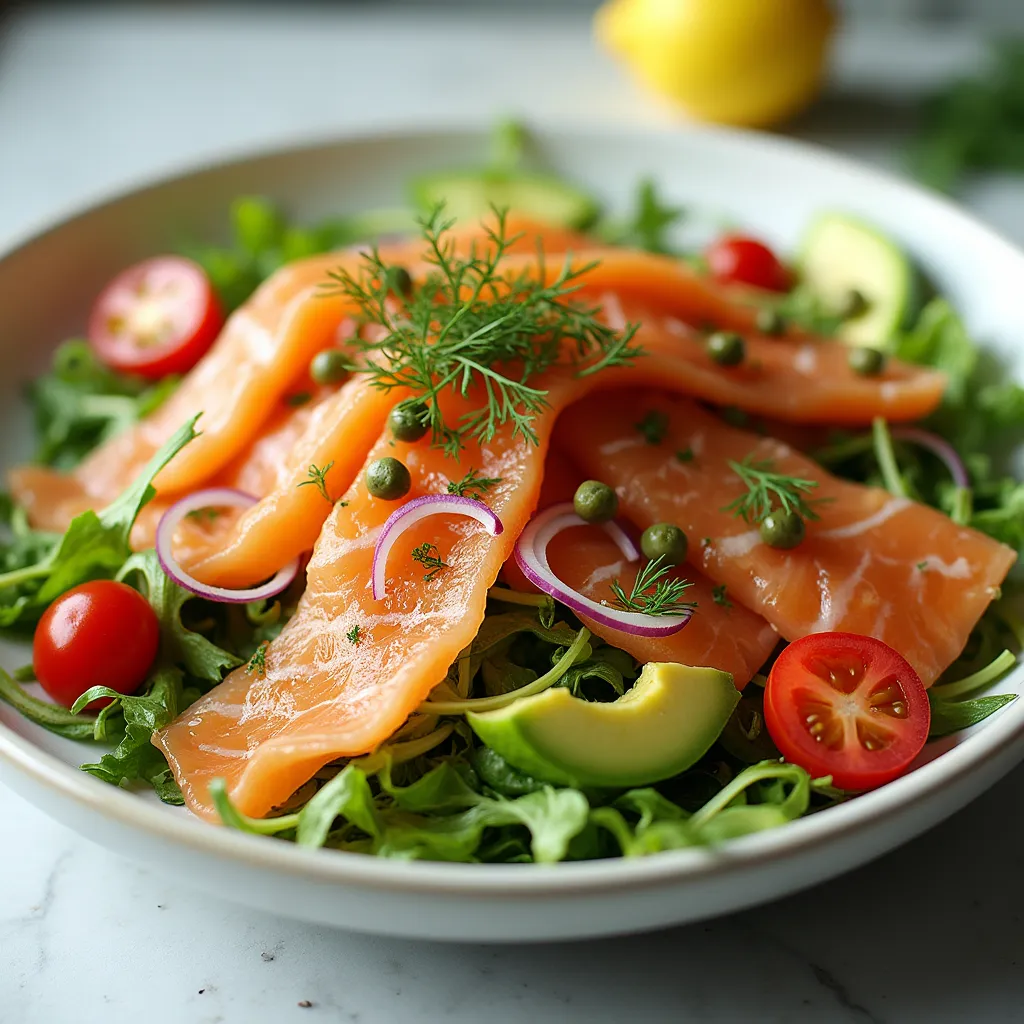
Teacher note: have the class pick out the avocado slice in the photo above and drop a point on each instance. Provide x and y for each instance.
(660, 727)
(469, 195)
(842, 256)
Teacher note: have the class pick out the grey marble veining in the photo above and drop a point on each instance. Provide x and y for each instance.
(930, 933)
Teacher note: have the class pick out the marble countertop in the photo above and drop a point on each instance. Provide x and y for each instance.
(91, 101)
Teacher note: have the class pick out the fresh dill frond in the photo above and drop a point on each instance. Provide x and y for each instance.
(354, 635)
(654, 593)
(258, 662)
(428, 556)
(768, 490)
(470, 326)
(318, 479)
(685, 455)
(721, 596)
(653, 426)
(473, 484)
(201, 514)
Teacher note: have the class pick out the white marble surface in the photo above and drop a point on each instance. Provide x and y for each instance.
(88, 103)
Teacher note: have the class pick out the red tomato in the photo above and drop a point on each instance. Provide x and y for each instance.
(848, 706)
(736, 259)
(98, 634)
(155, 318)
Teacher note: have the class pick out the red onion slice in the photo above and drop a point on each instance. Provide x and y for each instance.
(531, 557)
(213, 497)
(414, 511)
(937, 446)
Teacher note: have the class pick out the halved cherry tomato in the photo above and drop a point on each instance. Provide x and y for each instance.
(155, 318)
(98, 634)
(736, 259)
(848, 706)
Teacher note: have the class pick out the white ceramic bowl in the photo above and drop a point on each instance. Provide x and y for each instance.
(769, 184)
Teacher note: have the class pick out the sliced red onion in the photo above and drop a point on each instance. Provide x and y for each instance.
(531, 557)
(213, 497)
(411, 513)
(937, 446)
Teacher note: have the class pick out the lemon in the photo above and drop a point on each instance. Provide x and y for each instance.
(743, 62)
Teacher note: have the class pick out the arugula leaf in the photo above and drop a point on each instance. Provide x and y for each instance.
(95, 545)
(201, 658)
(263, 240)
(135, 758)
(80, 403)
(650, 226)
(50, 716)
(950, 716)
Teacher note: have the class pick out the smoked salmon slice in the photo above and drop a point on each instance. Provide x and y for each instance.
(777, 381)
(872, 564)
(722, 633)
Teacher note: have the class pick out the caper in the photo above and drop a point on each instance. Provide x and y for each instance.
(408, 421)
(868, 362)
(782, 529)
(388, 479)
(595, 502)
(726, 348)
(771, 321)
(664, 540)
(398, 280)
(853, 305)
(329, 366)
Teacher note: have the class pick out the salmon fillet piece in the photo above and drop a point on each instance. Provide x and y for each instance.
(873, 564)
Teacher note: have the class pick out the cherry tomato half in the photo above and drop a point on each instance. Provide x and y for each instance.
(155, 318)
(848, 706)
(736, 259)
(98, 634)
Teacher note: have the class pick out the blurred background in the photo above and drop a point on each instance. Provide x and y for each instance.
(94, 97)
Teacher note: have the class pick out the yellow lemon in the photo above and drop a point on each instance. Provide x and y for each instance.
(746, 62)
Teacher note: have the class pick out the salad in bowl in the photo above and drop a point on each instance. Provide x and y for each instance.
(501, 530)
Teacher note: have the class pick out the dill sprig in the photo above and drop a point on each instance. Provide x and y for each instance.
(468, 325)
(472, 486)
(429, 557)
(258, 662)
(653, 426)
(720, 595)
(768, 490)
(318, 479)
(354, 635)
(654, 592)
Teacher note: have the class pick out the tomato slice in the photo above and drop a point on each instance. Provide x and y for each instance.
(155, 318)
(100, 633)
(848, 706)
(737, 259)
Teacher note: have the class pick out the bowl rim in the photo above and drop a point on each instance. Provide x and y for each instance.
(511, 881)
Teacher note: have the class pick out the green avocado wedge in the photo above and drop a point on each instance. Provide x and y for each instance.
(470, 195)
(843, 258)
(660, 727)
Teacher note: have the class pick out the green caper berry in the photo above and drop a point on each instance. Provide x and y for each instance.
(329, 367)
(868, 362)
(388, 479)
(771, 321)
(782, 529)
(398, 280)
(595, 502)
(726, 348)
(664, 540)
(408, 421)
(853, 305)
